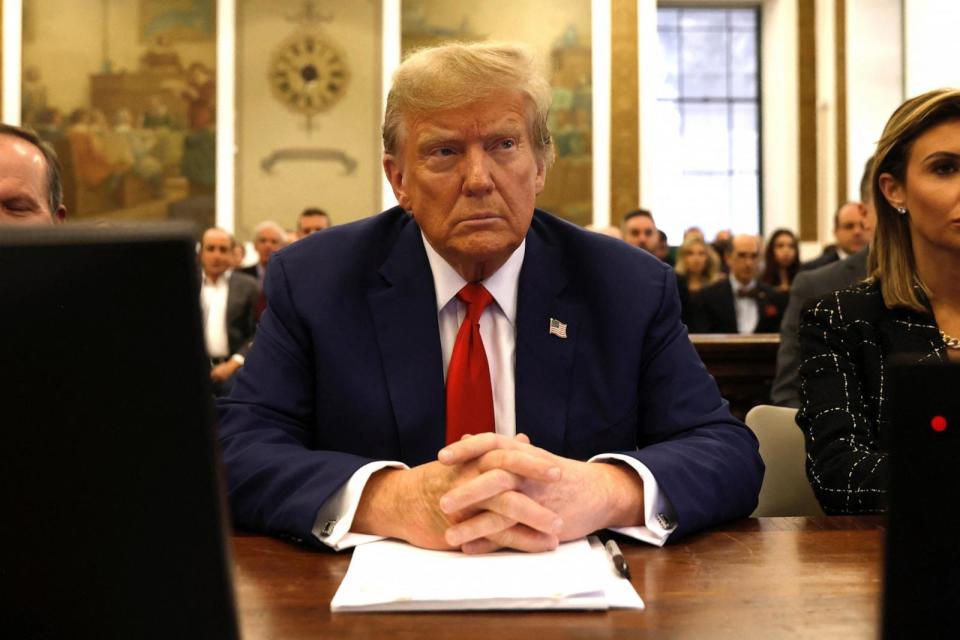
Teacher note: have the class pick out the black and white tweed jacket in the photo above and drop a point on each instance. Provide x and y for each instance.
(848, 339)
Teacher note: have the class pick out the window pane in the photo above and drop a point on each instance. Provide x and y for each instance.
(708, 132)
(711, 19)
(744, 137)
(743, 63)
(670, 62)
(706, 146)
(703, 65)
(668, 18)
(744, 203)
(743, 18)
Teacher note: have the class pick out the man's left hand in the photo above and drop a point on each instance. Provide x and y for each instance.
(588, 497)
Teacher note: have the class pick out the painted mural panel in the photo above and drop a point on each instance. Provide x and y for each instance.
(128, 101)
(562, 37)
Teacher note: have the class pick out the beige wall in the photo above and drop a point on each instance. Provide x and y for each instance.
(265, 126)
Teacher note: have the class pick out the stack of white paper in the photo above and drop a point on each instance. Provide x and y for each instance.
(395, 576)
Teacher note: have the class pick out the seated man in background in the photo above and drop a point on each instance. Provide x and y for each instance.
(739, 303)
(268, 238)
(852, 232)
(312, 220)
(228, 299)
(463, 371)
(811, 284)
(30, 188)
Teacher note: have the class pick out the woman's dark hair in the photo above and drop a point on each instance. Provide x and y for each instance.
(771, 272)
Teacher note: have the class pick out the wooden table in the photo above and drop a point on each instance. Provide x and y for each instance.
(757, 578)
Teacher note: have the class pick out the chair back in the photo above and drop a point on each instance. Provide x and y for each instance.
(786, 490)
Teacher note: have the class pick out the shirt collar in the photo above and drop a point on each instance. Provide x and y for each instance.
(502, 285)
(737, 286)
(224, 279)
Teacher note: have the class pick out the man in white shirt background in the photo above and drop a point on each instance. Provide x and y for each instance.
(228, 300)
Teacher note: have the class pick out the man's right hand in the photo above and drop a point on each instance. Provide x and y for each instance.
(405, 503)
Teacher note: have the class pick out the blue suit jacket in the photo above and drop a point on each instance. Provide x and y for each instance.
(347, 368)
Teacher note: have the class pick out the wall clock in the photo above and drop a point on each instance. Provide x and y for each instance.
(308, 73)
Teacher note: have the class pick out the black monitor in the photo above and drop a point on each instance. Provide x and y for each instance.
(922, 573)
(112, 518)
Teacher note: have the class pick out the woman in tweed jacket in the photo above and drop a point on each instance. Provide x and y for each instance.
(908, 308)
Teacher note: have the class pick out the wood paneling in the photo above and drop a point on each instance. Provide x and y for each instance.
(624, 110)
(807, 113)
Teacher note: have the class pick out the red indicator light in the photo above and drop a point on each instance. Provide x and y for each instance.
(938, 423)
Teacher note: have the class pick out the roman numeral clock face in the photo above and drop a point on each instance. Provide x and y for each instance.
(308, 74)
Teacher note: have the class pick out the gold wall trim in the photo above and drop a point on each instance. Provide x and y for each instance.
(624, 110)
(840, 29)
(807, 115)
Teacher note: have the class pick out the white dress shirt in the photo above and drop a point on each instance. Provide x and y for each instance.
(498, 332)
(213, 301)
(748, 312)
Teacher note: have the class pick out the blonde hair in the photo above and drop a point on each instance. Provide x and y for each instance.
(457, 74)
(891, 259)
(711, 271)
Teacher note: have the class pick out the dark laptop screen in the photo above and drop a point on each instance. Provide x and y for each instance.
(111, 515)
(922, 577)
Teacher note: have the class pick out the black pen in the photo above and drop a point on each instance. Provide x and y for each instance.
(618, 560)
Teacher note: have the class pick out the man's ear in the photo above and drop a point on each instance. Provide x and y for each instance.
(60, 215)
(892, 190)
(394, 173)
(541, 178)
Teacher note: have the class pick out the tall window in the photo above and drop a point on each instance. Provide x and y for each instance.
(709, 107)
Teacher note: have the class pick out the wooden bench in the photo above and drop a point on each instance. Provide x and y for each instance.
(743, 366)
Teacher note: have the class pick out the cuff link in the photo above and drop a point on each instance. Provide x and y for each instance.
(327, 529)
(664, 521)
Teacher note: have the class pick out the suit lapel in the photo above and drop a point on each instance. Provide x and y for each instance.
(544, 362)
(729, 308)
(405, 321)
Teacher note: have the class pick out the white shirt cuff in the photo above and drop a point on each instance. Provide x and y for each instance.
(659, 517)
(335, 517)
(238, 358)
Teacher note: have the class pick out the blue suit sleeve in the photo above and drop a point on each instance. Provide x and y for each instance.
(276, 481)
(706, 462)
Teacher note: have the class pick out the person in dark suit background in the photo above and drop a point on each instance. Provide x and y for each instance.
(852, 232)
(228, 300)
(908, 309)
(332, 432)
(268, 238)
(739, 303)
(811, 284)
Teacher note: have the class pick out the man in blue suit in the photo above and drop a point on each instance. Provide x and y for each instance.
(591, 409)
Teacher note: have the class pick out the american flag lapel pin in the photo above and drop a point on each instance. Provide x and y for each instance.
(558, 328)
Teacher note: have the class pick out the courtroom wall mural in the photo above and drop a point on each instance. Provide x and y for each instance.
(128, 101)
(562, 37)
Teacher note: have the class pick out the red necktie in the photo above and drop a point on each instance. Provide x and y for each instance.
(469, 394)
